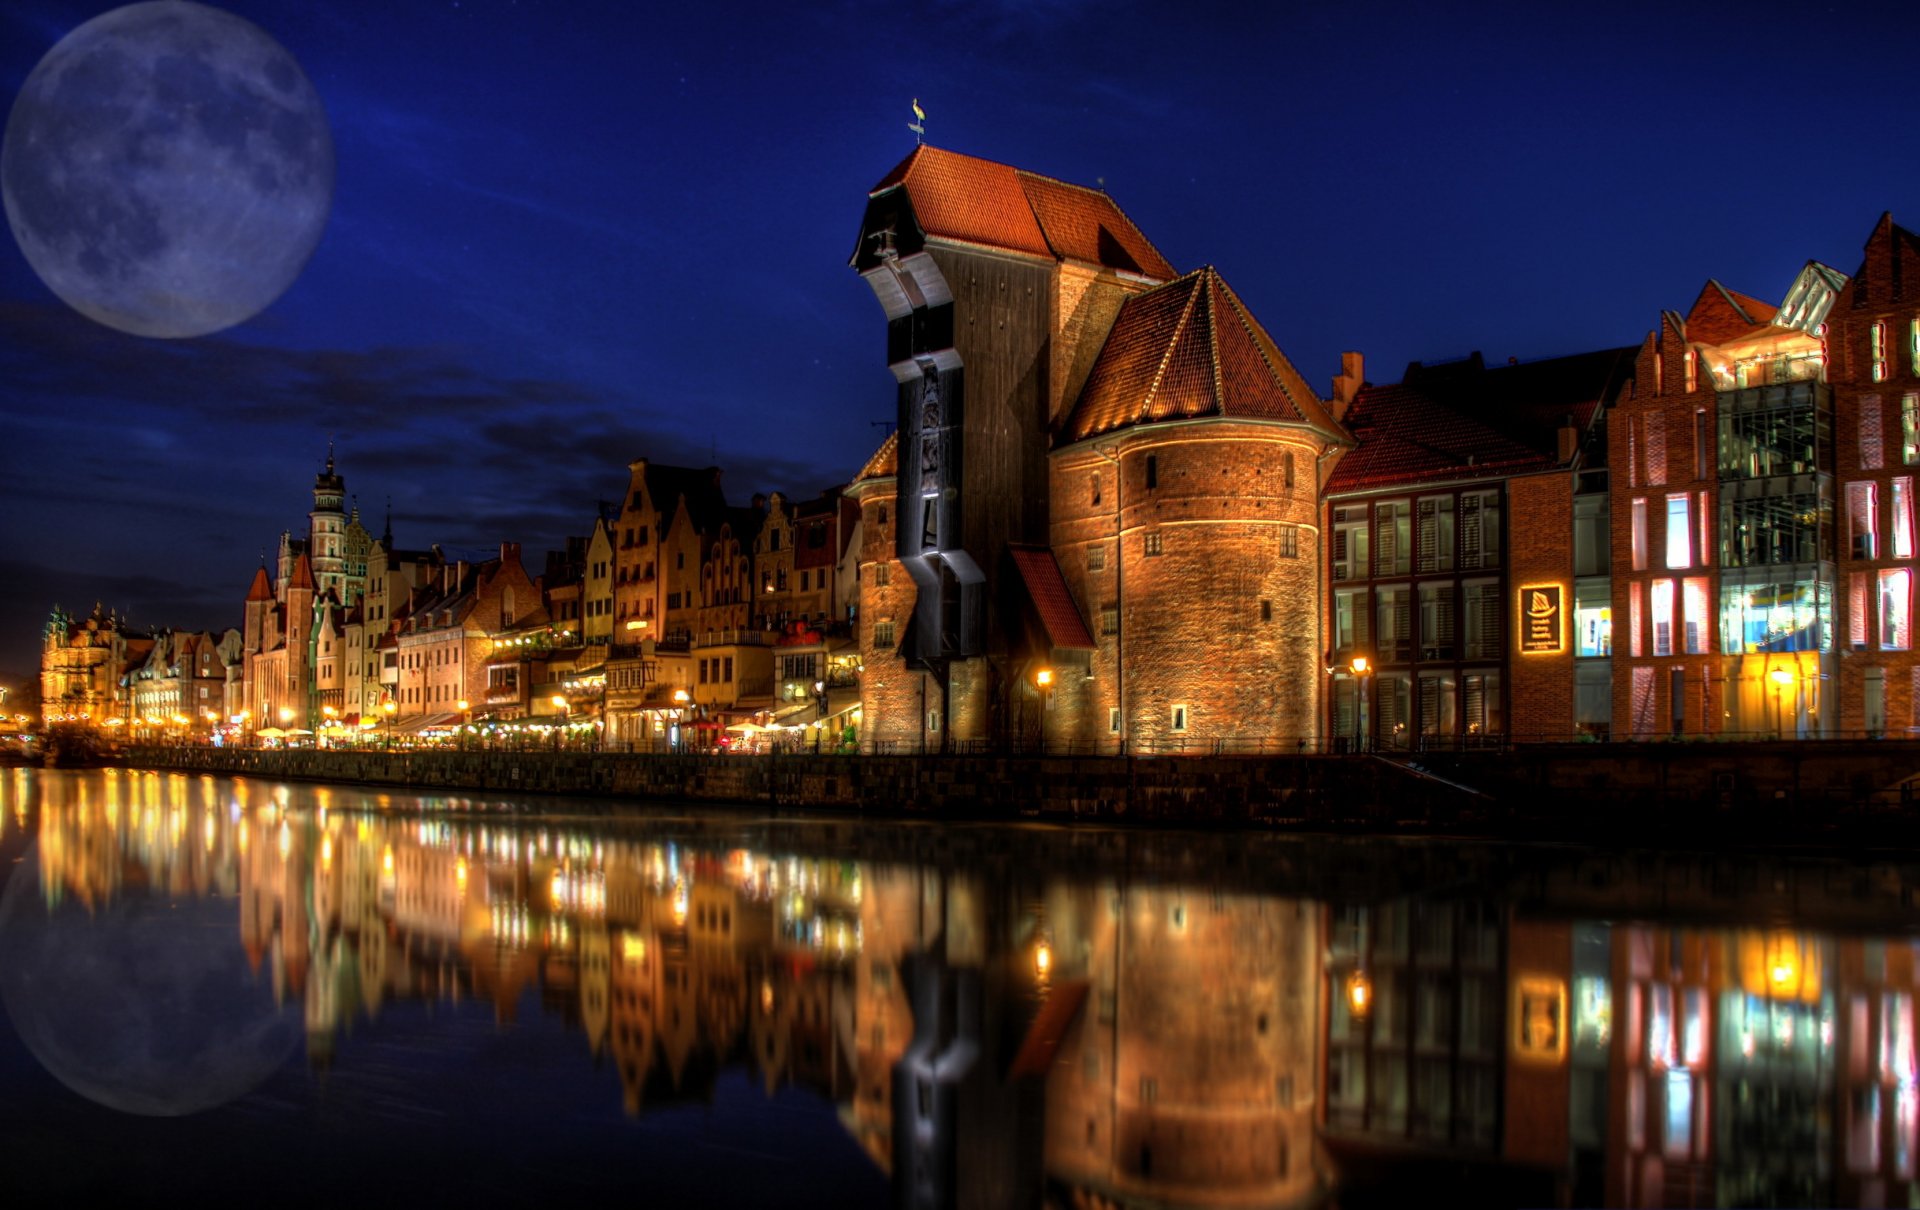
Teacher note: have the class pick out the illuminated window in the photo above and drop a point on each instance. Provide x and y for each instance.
(1110, 618)
(1592, 618)
(1862, 520)
(1857, 609)
(1639, 532)
(1913, 346)
(1662, 617)
(1910, 429)
(1896, 609)
(1633, 619)
(1350, 558)
(1153, 544)
(1692, 365)
(1349, 618)
(1901, 502)
(1096, 558)
(1679, 531)
(1877, 351)
(933, 721)
(1479, 530)
(1696, 611)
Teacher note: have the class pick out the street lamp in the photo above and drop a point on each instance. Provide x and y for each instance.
(561, 704)
(1360, 668)
(680, 700)
(389, 708)
(1781, 678)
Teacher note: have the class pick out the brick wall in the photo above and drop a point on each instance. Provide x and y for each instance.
(1541, 552)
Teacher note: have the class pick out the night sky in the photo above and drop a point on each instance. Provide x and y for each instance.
(568, 235)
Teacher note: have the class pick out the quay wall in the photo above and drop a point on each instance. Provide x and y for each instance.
(1550, 789)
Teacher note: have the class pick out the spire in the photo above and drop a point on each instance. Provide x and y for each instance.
(261, 589)
(329, 457)
(386, 535)
(302, 574)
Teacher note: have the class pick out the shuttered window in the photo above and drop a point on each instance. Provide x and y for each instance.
(1435, 533)
(1479, 530)
(1392, 533)
(1482, 607)
(1436, 622)
(1395, 634)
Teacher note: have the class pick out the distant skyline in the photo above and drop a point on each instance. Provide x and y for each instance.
(569, 235)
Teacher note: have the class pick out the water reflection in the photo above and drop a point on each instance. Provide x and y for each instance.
(997, 1018)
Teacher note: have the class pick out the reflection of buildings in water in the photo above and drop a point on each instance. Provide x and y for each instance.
(1188, 1075)
(895, 920)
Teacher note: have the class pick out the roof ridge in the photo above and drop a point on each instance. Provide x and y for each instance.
(1273, 372)
(1166, 355)
(1211, 275)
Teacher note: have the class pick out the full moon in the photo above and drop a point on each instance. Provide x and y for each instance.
(167, 169)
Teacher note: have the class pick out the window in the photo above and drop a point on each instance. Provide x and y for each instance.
(1593, 618)
(1634, 628)
(1862, 520)
(1393, 527)
(1633, 444)
(1349, 618)
(1679, 531)
(1435, 533)
(1694, 610)
(1096, 558)
(1871, 455)
(1266, 611)
(1110, 618)
(883, 636)
(1692, 366)
(1179, 718)
(1482, 608)
(1639, 534)
(1896, 609)
(1701, 516)
(1480, 530)
(1913, 346)
(1350, 559)
(1877, 351)
(1436, 622)
(1662, 595)
(1901, 525)
(1657, 446)
(1857, 609)
(1480, 703)
(1590, 555)
(1394, 635)
(773, 539)
(1290, 542)
(1910, 429)
(1153, 471)
(933, 721)
(882, 574)
(1287, 472)
(1113, 719)
(1153, 543)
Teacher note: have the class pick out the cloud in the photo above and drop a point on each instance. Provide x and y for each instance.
(145, 600)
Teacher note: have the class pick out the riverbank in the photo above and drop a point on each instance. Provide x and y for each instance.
(1788, 791)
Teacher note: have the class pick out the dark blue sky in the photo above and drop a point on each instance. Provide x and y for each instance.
(565, 235)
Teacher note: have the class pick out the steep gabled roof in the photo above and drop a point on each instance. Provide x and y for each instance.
(302, 574)
(1721, 315)
(962, 197)
(1190, 349)
(262, 588)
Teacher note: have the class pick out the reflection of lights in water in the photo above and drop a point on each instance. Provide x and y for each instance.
(209, 832)
(460, 874)
(286, 839)
(1359, 995)
(679, 903)
(326, 852)
(633, 947)
(240, 835)
(766, 995)
(557, 889)
(386, 860)
(1042, 958)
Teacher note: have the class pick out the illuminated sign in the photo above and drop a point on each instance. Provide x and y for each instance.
(1540, 1019)
(1541, 610)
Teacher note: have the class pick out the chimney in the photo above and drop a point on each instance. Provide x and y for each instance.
(1347, 383)
(1569, 443)
(509, 552)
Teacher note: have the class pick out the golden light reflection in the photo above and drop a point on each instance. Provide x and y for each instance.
(633, 947)
(1359, 995)
(460, 874)
(1042, 958)
(766, 995)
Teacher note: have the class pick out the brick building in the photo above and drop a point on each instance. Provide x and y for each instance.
(1763, 510)
(1462, 541)
(1084, 434)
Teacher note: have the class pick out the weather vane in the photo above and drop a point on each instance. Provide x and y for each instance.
(917, 126)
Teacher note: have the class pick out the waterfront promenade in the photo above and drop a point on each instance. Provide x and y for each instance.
(1752, 792)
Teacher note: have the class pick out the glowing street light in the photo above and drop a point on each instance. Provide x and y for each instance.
(1781, 678)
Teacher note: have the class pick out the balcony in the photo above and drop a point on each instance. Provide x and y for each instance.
(736, 638)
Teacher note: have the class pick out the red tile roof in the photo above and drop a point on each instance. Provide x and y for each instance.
(1406, 436)
(963, 197)
(1191, 349)
(885, 461)
(262, 588)
(1051, 599)
(302, 574)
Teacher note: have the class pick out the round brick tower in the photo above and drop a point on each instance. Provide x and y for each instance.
(1185, 494)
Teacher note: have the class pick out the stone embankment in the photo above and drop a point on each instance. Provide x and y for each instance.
(1747, 793)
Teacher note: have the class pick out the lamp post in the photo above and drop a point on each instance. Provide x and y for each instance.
(680, 700)
(466, 719)
(331, 725)
(1781, 678)
(286, 716)
(389, 708)
(561, 704)
(1360, 667)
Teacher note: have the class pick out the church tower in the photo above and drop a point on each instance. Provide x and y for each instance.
(327, 530)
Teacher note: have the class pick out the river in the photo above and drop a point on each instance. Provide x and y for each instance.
(301, 993)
